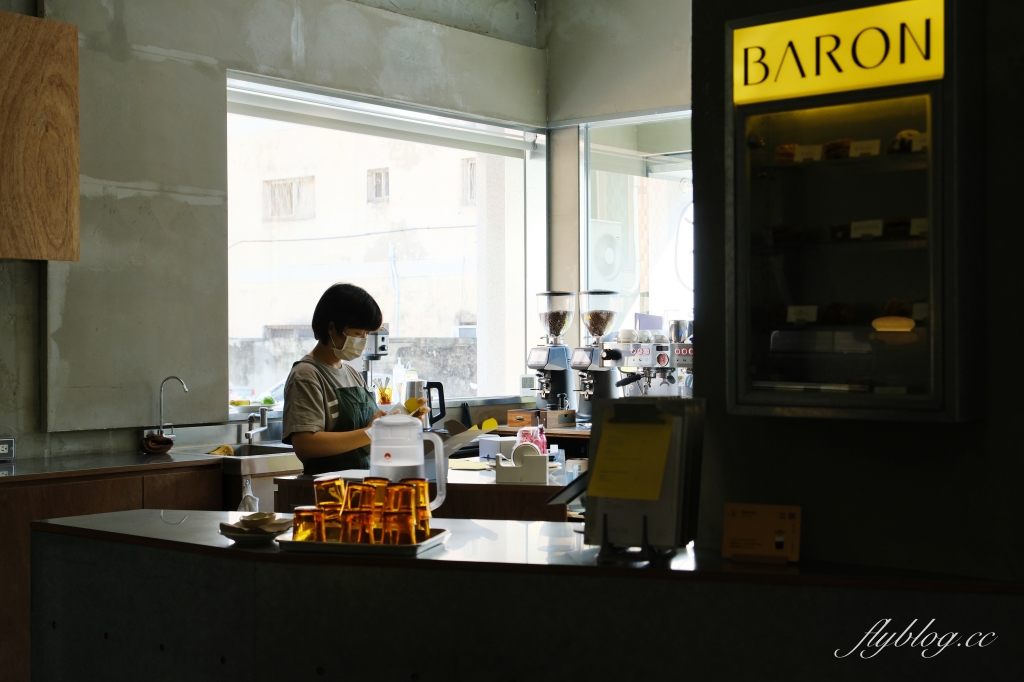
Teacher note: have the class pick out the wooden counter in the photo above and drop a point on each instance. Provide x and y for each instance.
(83, 484)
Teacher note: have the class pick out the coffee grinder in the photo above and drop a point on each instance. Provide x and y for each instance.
(551, 361)
(598, 310)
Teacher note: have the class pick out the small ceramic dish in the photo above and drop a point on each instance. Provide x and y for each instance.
(258, 519)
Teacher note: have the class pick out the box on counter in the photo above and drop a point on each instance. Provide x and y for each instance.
(520, 418)
(558, 419)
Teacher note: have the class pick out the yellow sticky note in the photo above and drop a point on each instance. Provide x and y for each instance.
(412, 404)
(489, 424)
(630, 461)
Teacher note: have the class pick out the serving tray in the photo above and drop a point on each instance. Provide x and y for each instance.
(437, 537)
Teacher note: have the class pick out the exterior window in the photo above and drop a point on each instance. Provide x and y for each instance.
(290, 199)
(451, 279)
(377, 184)
(468, 181)
(639, 223)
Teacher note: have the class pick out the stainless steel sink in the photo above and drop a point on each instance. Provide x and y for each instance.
(247, 450)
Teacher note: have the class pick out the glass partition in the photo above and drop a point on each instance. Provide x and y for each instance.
(638, 231)
(836, 254)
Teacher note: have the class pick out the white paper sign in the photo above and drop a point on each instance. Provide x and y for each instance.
(919, 312)
(865, 148)
(807, 152)
(921, 141)
(797, 314)
(865, 228)
(918, 227)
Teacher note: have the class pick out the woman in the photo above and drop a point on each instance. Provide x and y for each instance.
(327, 405)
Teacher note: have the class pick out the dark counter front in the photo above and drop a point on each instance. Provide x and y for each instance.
(129, 592)
(83, 484)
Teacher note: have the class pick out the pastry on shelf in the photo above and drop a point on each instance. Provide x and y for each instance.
(903, 143)
(896, 307)
(837, 149)
(784, 153)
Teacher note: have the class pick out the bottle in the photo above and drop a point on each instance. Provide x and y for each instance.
(398, 381)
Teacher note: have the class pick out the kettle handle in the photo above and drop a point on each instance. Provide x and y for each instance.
(440, 469)
(440, 399)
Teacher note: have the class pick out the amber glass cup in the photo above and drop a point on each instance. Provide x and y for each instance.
(308, 525)
(422, 506)
(357, 517)
(329, 490)
(333, 529)
(380, 485)
(399, 514)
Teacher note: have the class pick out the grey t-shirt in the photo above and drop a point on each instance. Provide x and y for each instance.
(311, 404)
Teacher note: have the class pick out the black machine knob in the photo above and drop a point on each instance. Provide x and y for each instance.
(611, 354)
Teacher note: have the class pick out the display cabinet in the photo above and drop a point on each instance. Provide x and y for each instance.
(848, 294)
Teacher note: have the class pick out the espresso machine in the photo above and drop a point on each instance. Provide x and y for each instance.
(551, 361)
(598, 312)
(376, 349)
(654, 363)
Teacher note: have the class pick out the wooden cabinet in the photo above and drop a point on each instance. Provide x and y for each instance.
(77, 494)
(39, 211)
(182, 490)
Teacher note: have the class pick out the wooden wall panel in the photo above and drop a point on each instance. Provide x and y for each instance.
(183, 490)
(39, 211)
(19, 506)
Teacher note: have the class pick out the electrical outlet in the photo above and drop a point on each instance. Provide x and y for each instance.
(6, 448)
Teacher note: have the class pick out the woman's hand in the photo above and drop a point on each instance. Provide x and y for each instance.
(422, 411)
(377, 415)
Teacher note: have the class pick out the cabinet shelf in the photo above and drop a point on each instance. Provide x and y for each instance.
(845, 246)
(883, 163)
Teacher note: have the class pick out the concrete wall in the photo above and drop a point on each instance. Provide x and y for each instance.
(609, 57)
(511, 20)
(153, 187)
(939, 497)
(149, 297)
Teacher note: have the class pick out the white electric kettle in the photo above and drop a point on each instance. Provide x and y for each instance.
(396, 452)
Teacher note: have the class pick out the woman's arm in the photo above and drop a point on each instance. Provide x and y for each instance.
(309, 445)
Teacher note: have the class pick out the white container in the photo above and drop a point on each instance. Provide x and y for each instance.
(490, 446)
(396, 452)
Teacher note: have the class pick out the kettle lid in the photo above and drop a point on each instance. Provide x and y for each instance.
(399, 420)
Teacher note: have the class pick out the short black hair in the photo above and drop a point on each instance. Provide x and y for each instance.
(346, 305)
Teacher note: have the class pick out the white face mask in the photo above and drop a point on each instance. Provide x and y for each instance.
(352, 349)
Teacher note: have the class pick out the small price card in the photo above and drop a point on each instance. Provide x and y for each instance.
(865, 228)
(921, 142)
(918, 227)
(865, 148)
(807, 152)
(801, 314)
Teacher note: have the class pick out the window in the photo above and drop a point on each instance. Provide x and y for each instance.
(638, 231)
(377, 185)
(290, 199)
(451, 277)
(468, 181)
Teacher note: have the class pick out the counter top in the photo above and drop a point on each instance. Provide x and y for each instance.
(84, 465)
(537, 546)
(574, 432)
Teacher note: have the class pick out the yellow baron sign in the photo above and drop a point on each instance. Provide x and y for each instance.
(869, 47)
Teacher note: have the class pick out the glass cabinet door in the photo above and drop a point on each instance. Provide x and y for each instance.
(836, 255)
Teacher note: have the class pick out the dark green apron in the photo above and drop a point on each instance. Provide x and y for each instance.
(355, 409)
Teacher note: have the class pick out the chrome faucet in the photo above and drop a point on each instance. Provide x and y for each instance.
(161, 431)
(250, 435)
